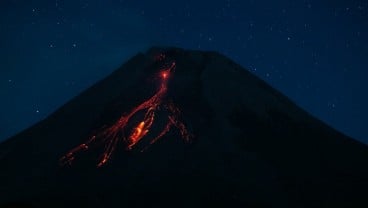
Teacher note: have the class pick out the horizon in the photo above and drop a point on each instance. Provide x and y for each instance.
(311, 51)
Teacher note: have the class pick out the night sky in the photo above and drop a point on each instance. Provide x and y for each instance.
(314, 51)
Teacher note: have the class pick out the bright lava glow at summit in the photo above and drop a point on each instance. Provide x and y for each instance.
(164, 75)
(110, 136)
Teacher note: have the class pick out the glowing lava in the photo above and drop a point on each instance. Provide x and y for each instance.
(110, 136)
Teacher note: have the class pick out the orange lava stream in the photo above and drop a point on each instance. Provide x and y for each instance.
(115, 133)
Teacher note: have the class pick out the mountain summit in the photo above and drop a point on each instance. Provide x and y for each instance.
(181, 128)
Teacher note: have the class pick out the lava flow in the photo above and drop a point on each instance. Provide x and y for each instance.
(110, 136)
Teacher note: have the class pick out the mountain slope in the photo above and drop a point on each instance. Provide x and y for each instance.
(252, 146)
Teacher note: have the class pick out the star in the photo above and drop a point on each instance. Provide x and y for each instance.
(331, 105)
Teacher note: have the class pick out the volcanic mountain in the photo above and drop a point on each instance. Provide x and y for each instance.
(231, 141)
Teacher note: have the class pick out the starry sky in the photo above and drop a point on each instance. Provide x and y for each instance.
(314, 51)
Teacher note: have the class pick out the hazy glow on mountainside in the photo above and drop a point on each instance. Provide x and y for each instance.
(110, 136)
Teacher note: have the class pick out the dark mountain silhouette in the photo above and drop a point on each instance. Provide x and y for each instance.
(252, 147)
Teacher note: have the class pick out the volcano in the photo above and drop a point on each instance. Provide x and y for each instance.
(182, 128)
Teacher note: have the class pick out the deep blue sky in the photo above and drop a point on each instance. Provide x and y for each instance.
(314, 51)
